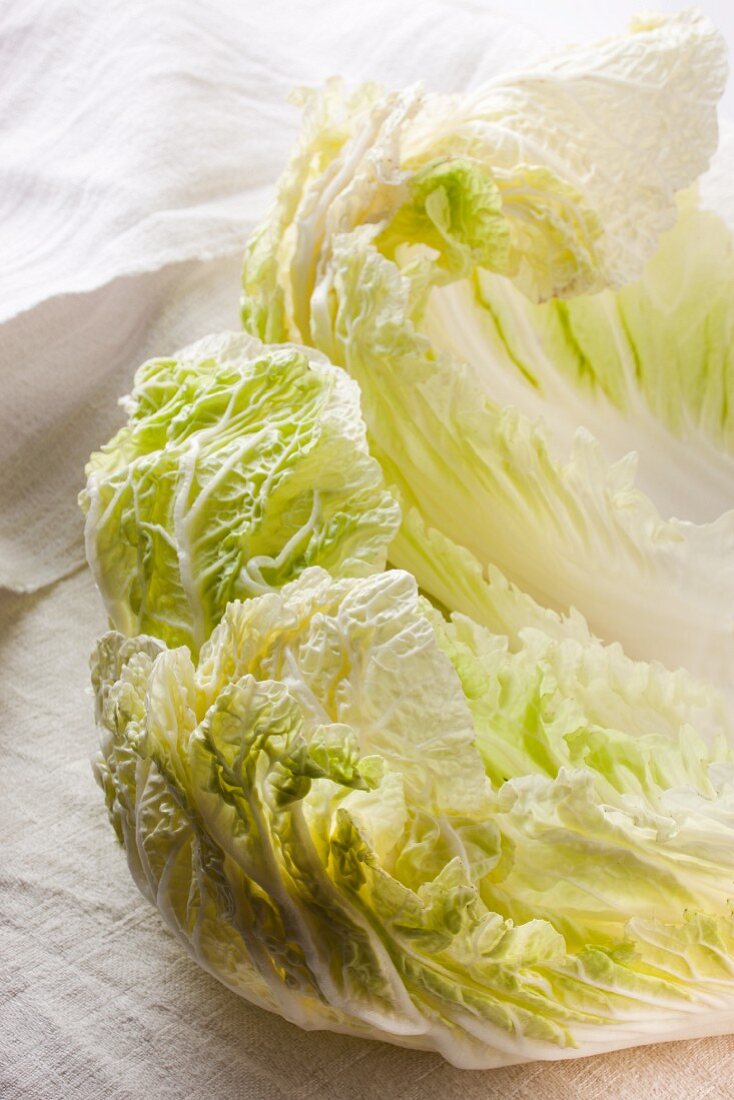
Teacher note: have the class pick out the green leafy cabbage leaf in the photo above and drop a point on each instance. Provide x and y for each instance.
(366, 817)
(240, 465)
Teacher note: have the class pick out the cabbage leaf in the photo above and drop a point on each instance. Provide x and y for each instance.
(368, 818)
(240, 465)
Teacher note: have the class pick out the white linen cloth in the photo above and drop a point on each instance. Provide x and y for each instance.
(139, 144)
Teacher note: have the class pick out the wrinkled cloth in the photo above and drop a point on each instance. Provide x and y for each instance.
(139, 144)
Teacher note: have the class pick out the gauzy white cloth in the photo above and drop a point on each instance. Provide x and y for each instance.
(139, 144)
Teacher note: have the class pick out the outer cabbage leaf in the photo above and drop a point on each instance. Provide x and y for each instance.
(367, 818)
(399, 248)
(240, 466)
